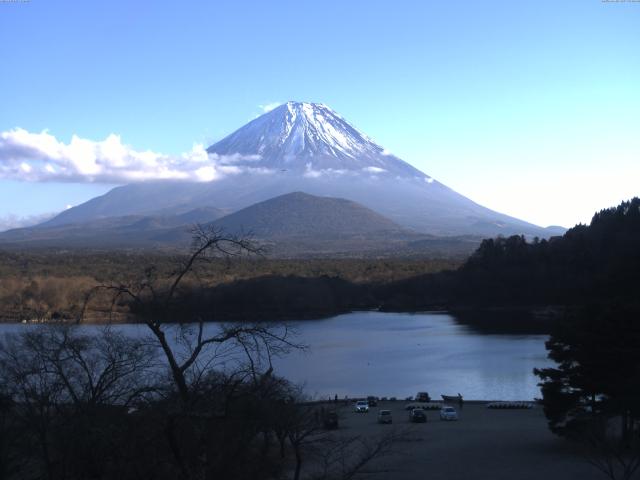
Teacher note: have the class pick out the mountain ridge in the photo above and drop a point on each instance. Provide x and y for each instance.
(293, 225)
(306, 147)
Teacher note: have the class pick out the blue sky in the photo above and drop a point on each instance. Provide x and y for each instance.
(529, 108)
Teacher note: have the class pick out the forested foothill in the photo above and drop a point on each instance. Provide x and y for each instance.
(509, 278)
(589, 263)
(46, 285)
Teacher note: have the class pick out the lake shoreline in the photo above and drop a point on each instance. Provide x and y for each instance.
(500, 319)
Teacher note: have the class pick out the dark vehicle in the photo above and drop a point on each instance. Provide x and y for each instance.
(417, 415)
(372, 401)
(384, 416)
(330, 420)
(422, 397)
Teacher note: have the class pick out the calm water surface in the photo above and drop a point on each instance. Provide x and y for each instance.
(393, 354)
(397, 354)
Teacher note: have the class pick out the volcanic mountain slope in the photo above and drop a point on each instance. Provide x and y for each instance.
(302, 225)
(292, 215)
(299, 214)
(307, 147)
(110, 232)
(292, 225)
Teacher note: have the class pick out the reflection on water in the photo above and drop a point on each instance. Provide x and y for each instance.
(397, 354)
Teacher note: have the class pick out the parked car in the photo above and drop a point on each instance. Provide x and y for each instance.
(362, 406)
(384, 416)
(417, 415)
(422, 397)
(330, 420)
(448, 413)
(372, 401)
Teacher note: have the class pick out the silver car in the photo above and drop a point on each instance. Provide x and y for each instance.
(362, 406)
(448, 413)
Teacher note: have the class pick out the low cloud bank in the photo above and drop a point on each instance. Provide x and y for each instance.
(7, 222)
(41, 157)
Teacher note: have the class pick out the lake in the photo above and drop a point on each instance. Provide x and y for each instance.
(399, 354)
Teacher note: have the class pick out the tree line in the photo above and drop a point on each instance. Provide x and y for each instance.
(592, 262)
(41, 286)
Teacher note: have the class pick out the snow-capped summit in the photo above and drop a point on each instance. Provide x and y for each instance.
(308, 137)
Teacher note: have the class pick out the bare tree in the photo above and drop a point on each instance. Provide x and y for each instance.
(616, 456)
(342, 458)
(155, 303)
(193, 350)
(84, 369)
(215, 415)
(55, 376)
(320, 453)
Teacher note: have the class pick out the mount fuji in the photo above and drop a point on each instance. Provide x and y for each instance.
(302, 147)
(312, 140)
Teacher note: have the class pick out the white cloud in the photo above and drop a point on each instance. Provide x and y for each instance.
(374, 169)
(309, 172)
(206, 174)
(234, 158)
(7, 222)
(267, 107)
(41, 157)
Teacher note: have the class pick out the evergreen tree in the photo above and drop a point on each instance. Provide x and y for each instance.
(597, 376)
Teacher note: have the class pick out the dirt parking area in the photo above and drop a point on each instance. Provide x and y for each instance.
(483, 443)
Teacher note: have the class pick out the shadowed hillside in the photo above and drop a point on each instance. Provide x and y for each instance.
(600, 261)
(300, 214)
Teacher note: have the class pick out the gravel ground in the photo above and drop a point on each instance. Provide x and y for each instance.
(483, 443)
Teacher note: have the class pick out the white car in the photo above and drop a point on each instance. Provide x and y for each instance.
(448, 413)
(362, 406)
